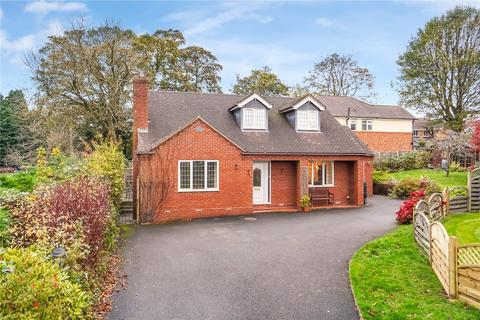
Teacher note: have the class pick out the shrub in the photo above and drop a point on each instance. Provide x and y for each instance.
(380, 176)
(75, 214)
(4, 223)
(56, 167)
(108, 161)
(403, 189)
(20, 181)
(34, 287)
(405, 161)
(405, 214)
(406, 186)
(422, 159)
(454, 166)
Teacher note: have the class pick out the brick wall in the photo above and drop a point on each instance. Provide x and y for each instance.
(200, 142)
(386, 141)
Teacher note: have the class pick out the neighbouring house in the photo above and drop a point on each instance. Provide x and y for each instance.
(200, 155)
(383, 128)
(424, 129)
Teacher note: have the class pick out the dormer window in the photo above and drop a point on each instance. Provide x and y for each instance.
(307, 120)
(251, 112)
(304, 113)
(254, 118)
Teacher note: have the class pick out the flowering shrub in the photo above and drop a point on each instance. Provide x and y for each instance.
(34, 287)
(76, 214)
(405, 214)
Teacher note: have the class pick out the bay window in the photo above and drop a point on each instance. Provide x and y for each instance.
(198, 175)
(320, 173)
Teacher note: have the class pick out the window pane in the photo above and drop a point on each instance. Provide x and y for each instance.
(353, 125)
(315, 172)
(328, 172)
(259, 118)
(257, 177)
(211, 175)
(302, 120)
(184, 175)
(198, 174)
(248, 118)
(313, 120)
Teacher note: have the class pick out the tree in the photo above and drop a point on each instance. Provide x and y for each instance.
(298, 91)
(16, 137)
(340, 75)
(262, 81)
(452, 144)
(170, 66)
(440, 69)
(476, 136)
(198, 71)
(86, 73)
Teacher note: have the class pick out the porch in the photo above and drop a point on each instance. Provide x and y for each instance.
(279, 184)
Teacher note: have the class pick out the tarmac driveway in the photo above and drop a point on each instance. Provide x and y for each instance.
(269, 266)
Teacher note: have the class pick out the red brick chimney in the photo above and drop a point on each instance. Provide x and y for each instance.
(140, 123)
(140, 107)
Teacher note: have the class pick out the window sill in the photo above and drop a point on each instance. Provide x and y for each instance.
(198, 190)
(323, 186)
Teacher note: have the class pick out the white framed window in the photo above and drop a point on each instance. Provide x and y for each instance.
(198, 175)
(426, 134)
(367, 125)
(415, 133)
(254, 118)
(353, 125)
(307, 120)
(321, 173)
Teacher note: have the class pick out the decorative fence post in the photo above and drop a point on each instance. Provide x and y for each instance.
(452, 267)
(446, 199)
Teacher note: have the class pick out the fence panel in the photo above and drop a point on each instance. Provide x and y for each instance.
(436, 207)
(468, 278)
(421, 231)
(474, 188)
(439, 253)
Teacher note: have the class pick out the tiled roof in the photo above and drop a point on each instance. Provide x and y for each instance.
(171, 111)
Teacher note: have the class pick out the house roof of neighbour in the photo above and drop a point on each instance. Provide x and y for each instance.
(338, 107)
(170, 112)
(426, 124)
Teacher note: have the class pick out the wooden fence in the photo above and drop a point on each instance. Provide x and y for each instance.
(456, 266)
(474, 190)
(468, 274)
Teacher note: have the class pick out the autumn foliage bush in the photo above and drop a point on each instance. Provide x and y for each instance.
(405, 214)
(76, 214)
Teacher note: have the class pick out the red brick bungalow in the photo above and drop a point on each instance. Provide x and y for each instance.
(201, 155)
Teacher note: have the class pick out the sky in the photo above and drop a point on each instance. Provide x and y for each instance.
(288, 36)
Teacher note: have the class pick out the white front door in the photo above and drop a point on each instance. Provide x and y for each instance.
(261, 182)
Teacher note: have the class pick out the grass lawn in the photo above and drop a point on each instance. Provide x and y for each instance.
(464, 226)
(455, 179)
(391, 279)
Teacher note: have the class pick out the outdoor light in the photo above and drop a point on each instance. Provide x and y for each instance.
(59, 255)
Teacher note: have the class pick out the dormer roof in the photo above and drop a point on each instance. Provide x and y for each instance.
(254, 96)
(297, 103)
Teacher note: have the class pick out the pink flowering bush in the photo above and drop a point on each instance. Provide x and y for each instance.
(405, 214)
